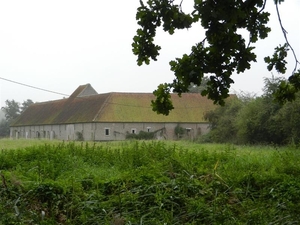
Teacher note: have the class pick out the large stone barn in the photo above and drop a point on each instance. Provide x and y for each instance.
(87, 115)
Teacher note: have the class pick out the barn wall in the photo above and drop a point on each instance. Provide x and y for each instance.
(107, 131)
(118, 131)
(43, 131)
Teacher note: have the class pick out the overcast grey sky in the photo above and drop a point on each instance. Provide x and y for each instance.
(61, 44)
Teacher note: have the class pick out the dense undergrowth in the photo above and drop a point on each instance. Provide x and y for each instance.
(151, 182)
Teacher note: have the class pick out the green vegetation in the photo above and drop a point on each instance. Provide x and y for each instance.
(79, 136)
(10, 112)
(9, 144)
(179, 131)
(256, 120)
(142, 135)
(148, 182)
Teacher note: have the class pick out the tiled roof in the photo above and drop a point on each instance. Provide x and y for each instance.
(113, 107)
(83, 90)
(136, 107)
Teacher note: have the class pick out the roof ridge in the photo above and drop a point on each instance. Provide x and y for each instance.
(101, 108)
(50, 101)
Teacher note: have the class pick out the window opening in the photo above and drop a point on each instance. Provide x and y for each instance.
(133, 131)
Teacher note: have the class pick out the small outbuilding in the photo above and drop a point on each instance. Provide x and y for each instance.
(87, 115)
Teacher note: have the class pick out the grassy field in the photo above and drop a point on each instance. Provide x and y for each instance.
(147, 182)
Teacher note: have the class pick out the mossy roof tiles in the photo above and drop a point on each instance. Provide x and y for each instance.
(114, 107)
(135, 107)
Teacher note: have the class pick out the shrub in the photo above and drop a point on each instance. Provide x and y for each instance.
(179, 131)
(142, 135)
(79, 136)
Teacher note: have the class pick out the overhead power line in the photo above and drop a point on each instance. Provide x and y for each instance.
(26, 85)
(54, 92)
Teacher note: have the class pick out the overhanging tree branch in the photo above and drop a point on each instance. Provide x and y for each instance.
(286, 39)
(220, 54)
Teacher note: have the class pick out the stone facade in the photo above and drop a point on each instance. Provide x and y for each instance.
(108, 131)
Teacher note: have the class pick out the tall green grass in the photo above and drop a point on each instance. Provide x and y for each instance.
(139, 182)
(7, 143)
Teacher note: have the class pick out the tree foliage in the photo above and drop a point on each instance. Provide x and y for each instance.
(25, 105)
(256, 123)
(223, 121)
(4, 128)
(257, 120)
(193, 88)
(13, 109)
(289, 121)
(222, 52)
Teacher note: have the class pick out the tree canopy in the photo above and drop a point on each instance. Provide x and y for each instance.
(222, 52)
(256, 120)
(13, 109)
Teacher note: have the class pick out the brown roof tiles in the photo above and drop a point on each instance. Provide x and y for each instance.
(113, 107)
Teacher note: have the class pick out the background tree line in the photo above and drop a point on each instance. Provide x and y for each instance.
(11, 111)
(247, 119)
